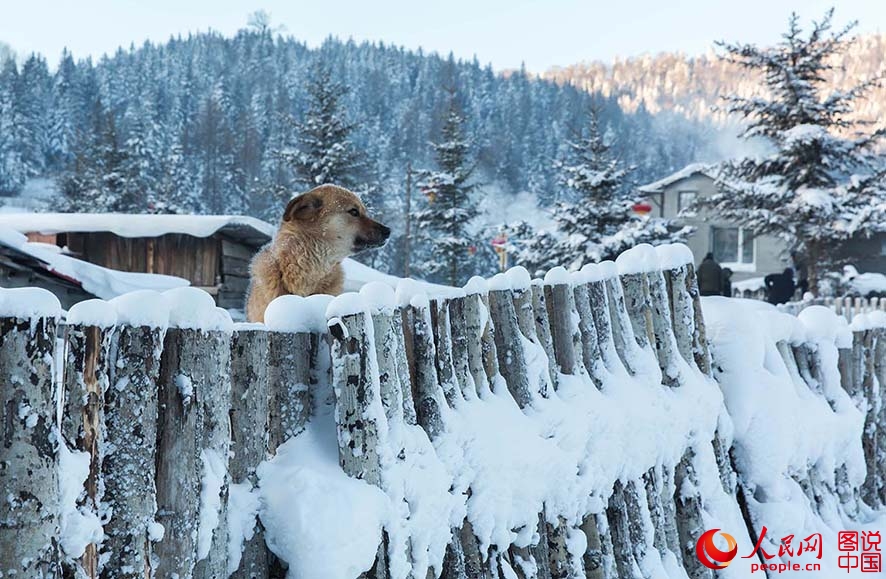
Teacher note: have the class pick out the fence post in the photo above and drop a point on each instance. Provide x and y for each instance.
(88, 341)
(870, 489)
(590, 346)
(699, 336)
(543, 329)
(215, 445)
(359, 413)
(565, 333)
(460, 346)
(131, 412)
(29, 477)
(250, 400)
(600, 309)
(476, 327)
(292, 373)
(880, 370)
(192, 451)
(602, 554)
(442, 333)
(509, 346)
(689, 332)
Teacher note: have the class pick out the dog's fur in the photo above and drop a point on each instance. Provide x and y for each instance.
(319, 229)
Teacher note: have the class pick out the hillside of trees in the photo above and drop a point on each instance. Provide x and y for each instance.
(206, 115)
(692, 86)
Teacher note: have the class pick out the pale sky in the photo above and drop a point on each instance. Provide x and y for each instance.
(504, 32)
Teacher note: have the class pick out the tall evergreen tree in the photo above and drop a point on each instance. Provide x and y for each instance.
(822, 183)
(322, 150)
(444, 222)
(595, 220)
(13, 169)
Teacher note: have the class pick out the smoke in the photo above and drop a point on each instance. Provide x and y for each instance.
(498, 208)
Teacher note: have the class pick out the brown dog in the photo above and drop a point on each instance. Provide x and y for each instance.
(319, 229)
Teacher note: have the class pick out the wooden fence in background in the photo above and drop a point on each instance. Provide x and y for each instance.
(848, 307)
(155, 408)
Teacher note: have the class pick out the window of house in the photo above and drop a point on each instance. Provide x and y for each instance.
(685, 199)
(883, 246)
(732, 245)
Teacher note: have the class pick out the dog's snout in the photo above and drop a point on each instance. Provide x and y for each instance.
(384, 231)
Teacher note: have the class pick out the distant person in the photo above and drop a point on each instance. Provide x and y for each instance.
(727, 282)
(710, 276)
(780, 287)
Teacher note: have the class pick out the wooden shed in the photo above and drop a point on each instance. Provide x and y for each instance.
(211, 252)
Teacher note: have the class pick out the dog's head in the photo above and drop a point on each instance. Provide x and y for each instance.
(336, 217)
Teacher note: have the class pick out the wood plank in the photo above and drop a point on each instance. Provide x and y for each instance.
(235, 284)
(234, 266)
(234, 249)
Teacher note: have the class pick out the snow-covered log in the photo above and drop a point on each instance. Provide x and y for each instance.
(192, 451)
(215, 445)
(393, 369)
(510, 346)
(250, 399)
(86, 379)
(430, 400)
(565, 333)
(359, 412)
(590, 350)
(292, 357)
(699, 337)
(543, 329)
(131, 411)
(460, 346)
(29, 517)
(476, 321)
(442, 334)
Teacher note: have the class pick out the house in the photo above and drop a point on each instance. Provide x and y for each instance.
(84, 255)
(748, 256)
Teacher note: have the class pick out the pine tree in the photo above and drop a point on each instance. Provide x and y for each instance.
(821, 184)
(13, 169)
(96, 180)
(595, 220)
(444, 223)
(322, 151)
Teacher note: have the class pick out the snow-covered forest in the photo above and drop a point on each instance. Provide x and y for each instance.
(692, 85)
(203, 123)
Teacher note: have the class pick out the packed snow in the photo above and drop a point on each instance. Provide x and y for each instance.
(29, 302)
(130, 225)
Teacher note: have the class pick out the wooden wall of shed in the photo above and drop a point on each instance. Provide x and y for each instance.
(193, 258)
(235, 259)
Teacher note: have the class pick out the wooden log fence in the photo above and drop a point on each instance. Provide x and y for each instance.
(176, 417)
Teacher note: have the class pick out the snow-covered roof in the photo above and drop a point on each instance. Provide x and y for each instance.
(248, 229)
(99, 281)
(684, 173)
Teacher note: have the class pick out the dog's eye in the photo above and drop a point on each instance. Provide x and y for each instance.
(354, 212)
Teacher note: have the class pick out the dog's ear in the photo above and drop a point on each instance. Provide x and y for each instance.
(303, 207)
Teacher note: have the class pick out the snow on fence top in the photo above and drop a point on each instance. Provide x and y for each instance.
(569, 425)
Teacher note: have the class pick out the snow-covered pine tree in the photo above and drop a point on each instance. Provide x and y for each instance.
(595, 219)
(95, 181)
(13, 169)
(443, 221)
(821, 184)
(321, 150)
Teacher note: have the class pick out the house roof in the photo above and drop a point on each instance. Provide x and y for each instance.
(709, 170)
(19, 254)
(248, 230)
